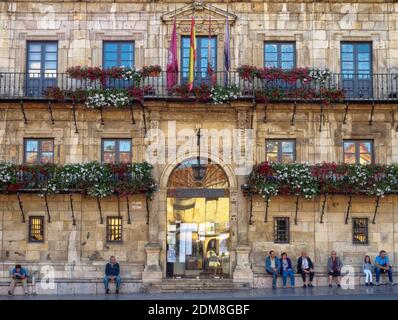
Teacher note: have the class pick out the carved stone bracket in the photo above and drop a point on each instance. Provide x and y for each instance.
(201, 12)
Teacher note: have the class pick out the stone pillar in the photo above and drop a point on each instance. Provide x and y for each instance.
(153, 272)
(242, 271)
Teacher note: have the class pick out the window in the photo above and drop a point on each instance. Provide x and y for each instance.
(39, 151)
(116, 150)
(114, 229)
(280, 55)
(360, 230)
(358, 151)
(356, 69)
(281, 230)
(36, 229)
(41, 67)
(118, 53)
(280, 151)
(202, 52)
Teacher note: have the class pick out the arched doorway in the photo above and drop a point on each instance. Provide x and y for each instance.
(198, 222)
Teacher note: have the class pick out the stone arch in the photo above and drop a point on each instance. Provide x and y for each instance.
(168, 169)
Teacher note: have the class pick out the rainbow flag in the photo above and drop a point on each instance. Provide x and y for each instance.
(192, 56)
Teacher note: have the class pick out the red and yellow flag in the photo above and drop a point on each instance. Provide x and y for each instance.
(192, 56)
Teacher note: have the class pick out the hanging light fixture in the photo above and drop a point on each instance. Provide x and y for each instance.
(199, 169)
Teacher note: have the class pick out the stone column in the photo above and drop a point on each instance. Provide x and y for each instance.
(242, 271)
(153, 272)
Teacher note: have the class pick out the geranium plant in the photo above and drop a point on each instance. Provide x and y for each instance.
(151, 71)
(247, 72)
(224, 94)
(107, 98)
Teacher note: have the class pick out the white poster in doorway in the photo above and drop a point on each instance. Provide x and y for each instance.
(136, 205)
(171, 255)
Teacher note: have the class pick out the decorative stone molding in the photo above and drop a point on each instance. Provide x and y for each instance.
(201, 12)
(116, 36)
(242, 119)
(42, 36)
(268, 36)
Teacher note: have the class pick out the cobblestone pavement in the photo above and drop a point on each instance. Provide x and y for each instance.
(384, 292)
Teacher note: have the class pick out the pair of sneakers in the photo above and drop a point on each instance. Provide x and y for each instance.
(107, 291)
(390, 283)
(11, 294)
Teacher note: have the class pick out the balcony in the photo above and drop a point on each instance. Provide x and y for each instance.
(355, 87)
(92, 178)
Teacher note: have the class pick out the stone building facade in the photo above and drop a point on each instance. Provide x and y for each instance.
(77, 252)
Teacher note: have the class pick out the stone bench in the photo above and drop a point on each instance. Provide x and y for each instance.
(73, 286)
(264, 280)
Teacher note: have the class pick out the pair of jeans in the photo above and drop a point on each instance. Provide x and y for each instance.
(379, 271)
(108, 278)
(368, 275)
(288, 273)
(274, 275)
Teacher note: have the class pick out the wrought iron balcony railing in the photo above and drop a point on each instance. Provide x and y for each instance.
(356, 87)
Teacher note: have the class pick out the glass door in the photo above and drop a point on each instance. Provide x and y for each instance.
(202, 58)
(198, 237)
(41, 67)
(356, 69)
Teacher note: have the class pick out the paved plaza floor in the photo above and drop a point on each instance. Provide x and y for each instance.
(384, 292)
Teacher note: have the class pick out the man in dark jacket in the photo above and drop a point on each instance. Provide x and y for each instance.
(305, 267)
(112, 271)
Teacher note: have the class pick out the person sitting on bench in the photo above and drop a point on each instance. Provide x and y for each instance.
(112, 271)
(18, 274)
(382, 265)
